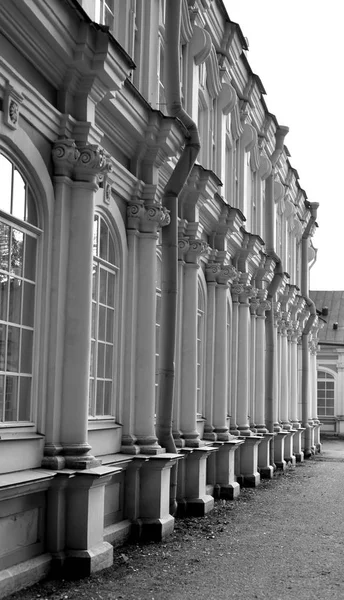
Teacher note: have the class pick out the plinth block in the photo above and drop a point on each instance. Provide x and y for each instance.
(192, 494)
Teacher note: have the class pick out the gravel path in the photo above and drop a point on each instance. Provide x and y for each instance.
(283, 540)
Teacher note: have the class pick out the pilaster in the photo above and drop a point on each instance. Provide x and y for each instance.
(188, 385)
(77, 172)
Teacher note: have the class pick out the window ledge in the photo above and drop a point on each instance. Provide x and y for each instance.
(103, 424)
(6, 436)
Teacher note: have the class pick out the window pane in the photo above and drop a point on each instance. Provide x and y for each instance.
(26, 351)
(111, 256)
(102, 286)
(3, 297)
(30, 258)
(109, 325)
(107, 397)
(4, 246)
(11, 398)
(92, 369)
(28, 304)
(100, 398)
(18, 200)
(6, 183)
(2, 392)
(2, 347)
(108, 365)
(103, 240)
(24, 398)
(101, 360)
(95, 236)
(94, 281)
(321, 385)
(13, 337)
(111, 290)
(93, 326)
(17, 247)
(14, 308)
(91, 395)
(101, 329)
(31, 212)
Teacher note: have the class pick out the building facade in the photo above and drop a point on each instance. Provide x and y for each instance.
(156, 327)
(330, 360)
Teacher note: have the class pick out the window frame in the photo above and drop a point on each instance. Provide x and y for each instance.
(35, 231)
(329, 377)
(114, 269)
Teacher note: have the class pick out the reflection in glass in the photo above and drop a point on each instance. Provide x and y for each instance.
(13, 337)
(111, 290)
(26, 351)
(107, 398)
(11, 398)
(2, 393)
(101, 330)
(102, 286)
(109, 324)
(17, 247)
(6, 183)
(18, 198)
(101, 360)
(14, 307)
(28, 304)
(4, 247)
(24, 399)
(3, 344)
(31, 212)
(100, 395)
(108, 366)
(103, 240)
(3, 297)
(30, 258)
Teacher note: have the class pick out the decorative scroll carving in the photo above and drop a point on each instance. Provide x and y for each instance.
(197, 248)
(65, 155)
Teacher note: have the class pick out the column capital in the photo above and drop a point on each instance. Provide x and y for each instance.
(197, 248)
(226, 275)
(212, 270)
(88, 163)
(147, 219)
(92, 164)
(65, 155)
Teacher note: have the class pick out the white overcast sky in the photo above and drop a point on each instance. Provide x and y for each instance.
(296, 48)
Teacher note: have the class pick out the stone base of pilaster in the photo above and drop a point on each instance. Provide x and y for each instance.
(279, 458)
(86, 551)
(248, 475)
(221, 469)
(81, 563)
(289, 456)
(154, 529)
(192, 496)
(297, 444)
(154, 521)
(317, 444)
(265, 467)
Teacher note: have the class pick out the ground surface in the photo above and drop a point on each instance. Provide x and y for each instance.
(284, 539)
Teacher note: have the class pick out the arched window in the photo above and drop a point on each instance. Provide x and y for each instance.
(104, 294)
(325, 394)
(19, 235)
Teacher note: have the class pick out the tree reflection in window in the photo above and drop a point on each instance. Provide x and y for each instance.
(103, 321)
(18, 249)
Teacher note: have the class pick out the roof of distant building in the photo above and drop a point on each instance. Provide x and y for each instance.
(333, 330)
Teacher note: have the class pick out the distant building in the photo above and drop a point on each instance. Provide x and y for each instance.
(157, 338)
(330, 360)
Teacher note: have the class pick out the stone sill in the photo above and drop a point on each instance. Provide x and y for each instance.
(103, 424)
(7, 436)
